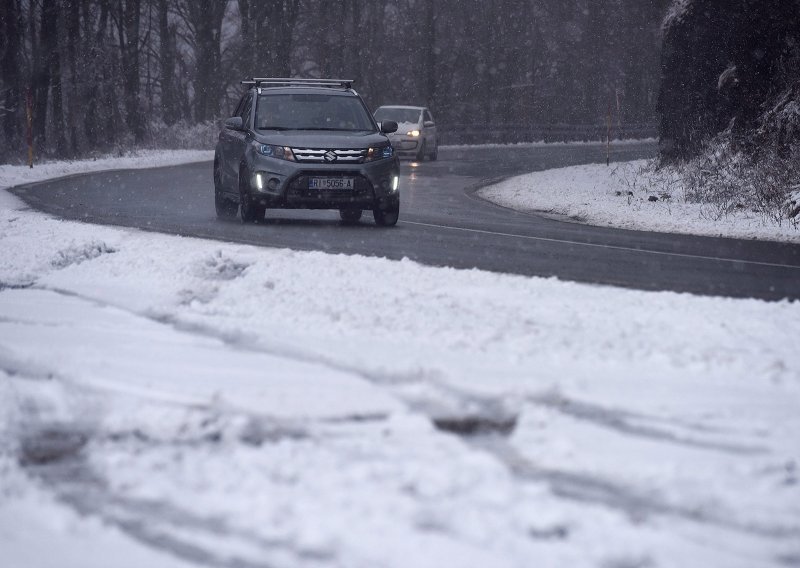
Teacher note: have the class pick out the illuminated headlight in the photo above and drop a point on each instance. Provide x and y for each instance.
(278, 152)
(395, 183)
(414, 133)
(379, 153)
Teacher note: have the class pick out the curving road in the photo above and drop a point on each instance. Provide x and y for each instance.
(443, 223)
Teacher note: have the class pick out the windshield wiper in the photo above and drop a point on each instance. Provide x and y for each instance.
(275, 128)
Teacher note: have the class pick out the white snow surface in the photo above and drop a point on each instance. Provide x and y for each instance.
(11, 175)
(168, 401)
(543, 144)
(619, 196)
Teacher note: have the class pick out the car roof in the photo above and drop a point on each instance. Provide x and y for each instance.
(403, 107)
(307, 91)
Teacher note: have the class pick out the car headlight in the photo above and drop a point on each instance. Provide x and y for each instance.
(414, 133)
(278, 152)
(379, 153)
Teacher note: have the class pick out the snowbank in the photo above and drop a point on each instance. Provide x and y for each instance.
(11, 175)
(543, 144)
(627, 196)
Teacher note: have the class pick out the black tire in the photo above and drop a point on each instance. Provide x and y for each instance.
(387, 217)
(249, 212)
(421, 152)
(435, 154)
(350, 216)
(225, 208)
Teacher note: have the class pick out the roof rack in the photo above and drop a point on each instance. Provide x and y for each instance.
(286, 82)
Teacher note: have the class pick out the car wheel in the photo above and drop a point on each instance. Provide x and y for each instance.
(225, 208)
(435, 154)
(421, 152)
(350, 216)
(387, 217)
(250, 212)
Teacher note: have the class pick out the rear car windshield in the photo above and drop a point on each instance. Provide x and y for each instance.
(398, 114)
(312, 112)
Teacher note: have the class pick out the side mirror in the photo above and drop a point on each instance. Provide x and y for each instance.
(234, 123)
(428, 124)
(388, 126)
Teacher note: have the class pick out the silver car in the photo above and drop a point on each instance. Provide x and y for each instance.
(416, 132)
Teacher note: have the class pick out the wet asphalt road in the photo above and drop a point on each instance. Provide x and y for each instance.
(443, 223)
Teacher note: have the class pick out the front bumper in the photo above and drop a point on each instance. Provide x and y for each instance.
(405, 145)
(286, 184)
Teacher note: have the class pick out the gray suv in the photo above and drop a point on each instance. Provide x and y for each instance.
(305, 144)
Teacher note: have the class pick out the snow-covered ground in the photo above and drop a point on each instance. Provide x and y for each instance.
(11, 175)
(168, 401)
(543, 144)
(620, 196)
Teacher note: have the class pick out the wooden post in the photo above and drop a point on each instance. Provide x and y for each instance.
(29, 117)
(608, 135)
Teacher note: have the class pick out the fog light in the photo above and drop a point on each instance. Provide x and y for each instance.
(274, 183)
(395, 183)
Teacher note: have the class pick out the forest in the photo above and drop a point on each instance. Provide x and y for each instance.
(729, 103)
(108, 75)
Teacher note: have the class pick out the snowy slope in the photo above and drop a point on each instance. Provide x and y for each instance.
(619, 196)
(171, 401)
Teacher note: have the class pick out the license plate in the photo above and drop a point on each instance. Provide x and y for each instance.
(330, 183)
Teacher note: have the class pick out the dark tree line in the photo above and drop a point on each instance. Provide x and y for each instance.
(730, 66)
(105, 74)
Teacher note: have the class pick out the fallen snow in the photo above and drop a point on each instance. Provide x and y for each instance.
(619, 196)
(543, 144)
(11, 175)
(170, 401)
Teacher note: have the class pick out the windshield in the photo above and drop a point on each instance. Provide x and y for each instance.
(398, 114)
(311, 112)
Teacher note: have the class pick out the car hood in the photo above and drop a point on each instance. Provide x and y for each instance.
(404, 128)
(321, 139)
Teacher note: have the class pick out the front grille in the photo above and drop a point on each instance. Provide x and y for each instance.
(317, 155)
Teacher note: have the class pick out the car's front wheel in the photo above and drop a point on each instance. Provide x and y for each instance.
(421, 152)
(387, 217)
(435, 154)
(225, 208)
(350, 216)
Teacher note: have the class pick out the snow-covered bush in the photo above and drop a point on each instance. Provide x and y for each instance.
(728, 178)
(183, 135)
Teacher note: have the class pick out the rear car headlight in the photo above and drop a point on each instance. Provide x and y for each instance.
(413, 133)
(379, 153)
(278, 152)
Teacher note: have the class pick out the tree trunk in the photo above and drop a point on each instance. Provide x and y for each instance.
(9, 66)
(429, 53)
(166, 34)
(205, 18)
(128, 29)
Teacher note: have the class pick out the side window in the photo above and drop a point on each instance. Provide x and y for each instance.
(428, 117)
(245, 112)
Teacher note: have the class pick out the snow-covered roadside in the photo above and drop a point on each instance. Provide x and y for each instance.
(247, 406)
(543, 144)
(618, 196)
(11, 175)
